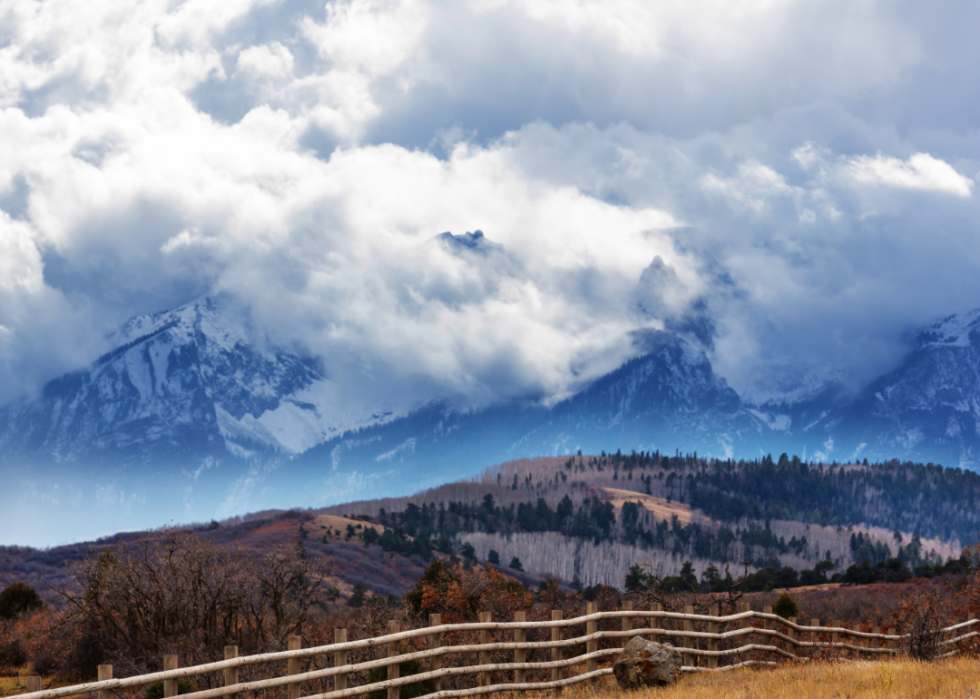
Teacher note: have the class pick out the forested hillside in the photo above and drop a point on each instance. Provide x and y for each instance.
(610, 512)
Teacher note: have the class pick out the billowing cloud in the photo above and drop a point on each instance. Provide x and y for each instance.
(763, 171)
(920, 171)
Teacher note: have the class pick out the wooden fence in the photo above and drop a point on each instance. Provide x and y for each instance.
(754, 639)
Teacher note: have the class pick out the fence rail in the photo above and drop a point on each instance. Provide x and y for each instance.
(783, 638)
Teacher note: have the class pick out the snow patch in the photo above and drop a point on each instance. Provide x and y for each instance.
(408, 445)
(788, 383)
(952, 331)
(779, 423)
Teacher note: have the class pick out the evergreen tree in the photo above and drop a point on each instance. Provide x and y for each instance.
(17, 599)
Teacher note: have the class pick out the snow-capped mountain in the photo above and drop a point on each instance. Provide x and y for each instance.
(667, 399)
(192, 384)
(928, 409)
(246, 423)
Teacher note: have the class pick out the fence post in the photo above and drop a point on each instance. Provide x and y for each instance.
(815, 635)
(713, 628)
(688, 641)
(340, 659)
(656, 623)
(230, 673)
(627, 621)
(394, 670)
(519, 653)
(767, 625)
(485, 618)
(556, 653)
(791, 632)
(292, 666)
(105, 673)
(592, 645)
(835, 636)
(745, 623)
(33, 683)
(169, 686)
(435, 641)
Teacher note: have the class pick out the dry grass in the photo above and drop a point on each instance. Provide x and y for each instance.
(958, 678)
(16, 682)
(898, 679)
(660, 507)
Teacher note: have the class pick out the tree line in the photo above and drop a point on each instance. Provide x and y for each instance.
(430, 527)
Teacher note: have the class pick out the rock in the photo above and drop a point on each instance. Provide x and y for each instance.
(644, 663)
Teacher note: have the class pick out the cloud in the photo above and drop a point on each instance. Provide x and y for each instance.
(754, 185)
(921, 171)
(302, 155)
(267, 60)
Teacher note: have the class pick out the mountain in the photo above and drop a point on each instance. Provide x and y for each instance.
(192, 384)
(928, 409)
(184, 419)
(194, 414)
(667, 399)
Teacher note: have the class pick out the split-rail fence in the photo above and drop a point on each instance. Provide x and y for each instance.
(762, 635)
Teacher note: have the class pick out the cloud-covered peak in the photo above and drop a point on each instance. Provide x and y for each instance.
(474, 242)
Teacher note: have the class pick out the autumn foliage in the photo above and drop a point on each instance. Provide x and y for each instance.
(460, 594)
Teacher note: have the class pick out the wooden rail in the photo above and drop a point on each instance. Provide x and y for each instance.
(773, 636)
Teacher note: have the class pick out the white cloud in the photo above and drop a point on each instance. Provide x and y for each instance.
(272, 60)
(373, 36)
(751, 189)
(921, 171)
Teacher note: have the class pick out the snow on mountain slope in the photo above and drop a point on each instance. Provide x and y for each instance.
(193, 382)
(667, 399)
(929, 407)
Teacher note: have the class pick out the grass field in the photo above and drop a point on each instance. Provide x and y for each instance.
(957, 678)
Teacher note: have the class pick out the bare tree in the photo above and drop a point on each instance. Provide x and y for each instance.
(174, 592)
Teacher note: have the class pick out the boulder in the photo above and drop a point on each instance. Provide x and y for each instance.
(644, 663)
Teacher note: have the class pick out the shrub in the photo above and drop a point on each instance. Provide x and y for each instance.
(155, 690)
(12, 652)
(921, 619)
(358, 595)
(405, 669)
(460, 594)
(786, 606)
(17, 599)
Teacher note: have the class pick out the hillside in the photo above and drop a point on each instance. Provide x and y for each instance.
(323, 536)
(589, 519)
(593, 517)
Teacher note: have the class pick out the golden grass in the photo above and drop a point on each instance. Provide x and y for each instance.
(14, 684)
(957, 678)
(660, 507)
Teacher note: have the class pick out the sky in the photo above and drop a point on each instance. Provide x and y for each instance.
(797, 176)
